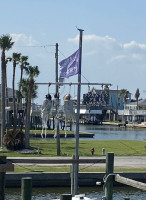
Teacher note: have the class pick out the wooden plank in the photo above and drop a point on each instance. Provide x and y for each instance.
(130, 182)
(6, 167)
(56, 161)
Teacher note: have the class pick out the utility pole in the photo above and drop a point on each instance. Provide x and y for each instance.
(57, 103)
(117, 104)
(78, 115)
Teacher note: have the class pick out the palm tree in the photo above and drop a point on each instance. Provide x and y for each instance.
(7, 60)
(106, 88)
(24, 63)
(137, 95)
(124, 93)
(29, 91)
(5, 45)
(16, 60)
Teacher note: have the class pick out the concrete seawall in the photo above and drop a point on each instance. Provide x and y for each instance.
(62, 135)
(63, 179)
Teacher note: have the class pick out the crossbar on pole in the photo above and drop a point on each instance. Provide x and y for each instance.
(59, 83)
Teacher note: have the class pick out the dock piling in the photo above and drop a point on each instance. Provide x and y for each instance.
(66, 197)
(109, 170)
(2, 179)
(26, 188)
(72, 169)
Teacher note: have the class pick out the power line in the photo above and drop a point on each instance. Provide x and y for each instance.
(62, 54)
(85, 78)
(49, 45)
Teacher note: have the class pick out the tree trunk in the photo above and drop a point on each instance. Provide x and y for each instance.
(20, 100)
(137, 104)
(14, 99)
(27, 124)
(3, 87)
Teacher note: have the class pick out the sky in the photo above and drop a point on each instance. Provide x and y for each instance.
(114, 41)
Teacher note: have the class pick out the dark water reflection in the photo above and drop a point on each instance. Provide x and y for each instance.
(91, 192)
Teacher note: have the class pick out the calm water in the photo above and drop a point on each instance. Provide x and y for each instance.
(93, 192)
(105, 132)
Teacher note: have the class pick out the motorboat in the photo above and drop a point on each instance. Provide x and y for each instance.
(82, 197)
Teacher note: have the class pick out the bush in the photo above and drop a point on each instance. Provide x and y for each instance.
(14, 139)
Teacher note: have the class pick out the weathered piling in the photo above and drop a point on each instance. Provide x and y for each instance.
(26, 188)
(4, 167)
(66, 197)
(2, 179)
(72, 169)
(109, 179)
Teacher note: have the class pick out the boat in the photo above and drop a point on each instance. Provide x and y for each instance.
(82, 197)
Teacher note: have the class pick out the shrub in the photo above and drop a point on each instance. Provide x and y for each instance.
(14, 139)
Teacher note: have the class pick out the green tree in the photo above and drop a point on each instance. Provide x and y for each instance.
(106, 88)
(5, 45)
(29, 91)
(137, 95)
(23, 65)
(124, 93)
(7, 60)
(15, 59)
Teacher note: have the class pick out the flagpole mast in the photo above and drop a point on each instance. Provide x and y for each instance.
(78, 115)
(57, 103)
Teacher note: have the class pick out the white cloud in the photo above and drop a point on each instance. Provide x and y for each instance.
(91, 38)
(133, 45)
(118, 58)
(23, 39)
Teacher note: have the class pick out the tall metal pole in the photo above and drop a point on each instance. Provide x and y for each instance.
(78, 115)
(117, 104)
(57, 103)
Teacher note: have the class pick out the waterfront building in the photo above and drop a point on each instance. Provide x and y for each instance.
(107, 101)
(134, 112)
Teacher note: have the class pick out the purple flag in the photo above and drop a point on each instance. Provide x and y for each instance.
(71, 65)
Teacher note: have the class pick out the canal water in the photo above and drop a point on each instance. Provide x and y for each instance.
(91, 192)
(108, 132)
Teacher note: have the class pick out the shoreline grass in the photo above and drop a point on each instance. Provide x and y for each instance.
(55, 169)
(49, 148)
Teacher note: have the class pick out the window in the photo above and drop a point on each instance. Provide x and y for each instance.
(11, 100)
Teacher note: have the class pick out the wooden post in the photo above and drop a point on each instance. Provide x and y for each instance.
(72, 171)
(66, 197)
(103, 151)
(26, 188)
(126, 198)
(109, 170)
(2, 179)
